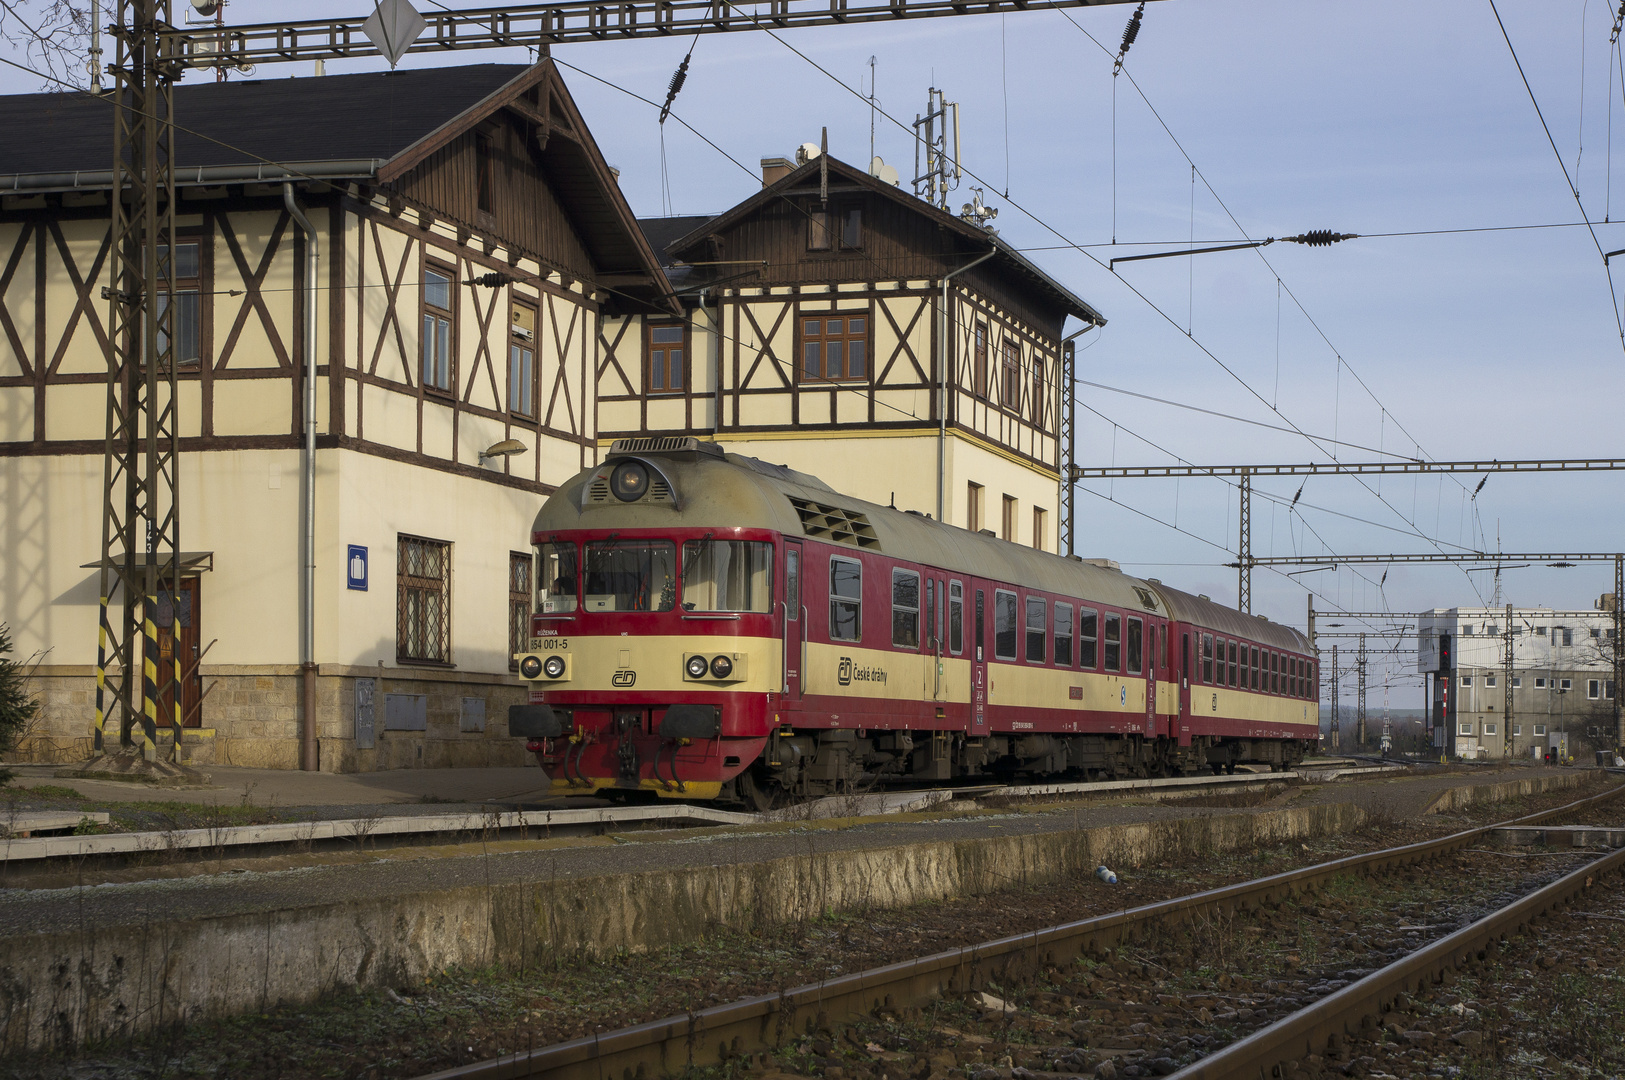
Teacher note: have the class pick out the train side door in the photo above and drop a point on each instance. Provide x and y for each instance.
(795, 621)
(1184, 681)
(1153, 634)
(978, 663)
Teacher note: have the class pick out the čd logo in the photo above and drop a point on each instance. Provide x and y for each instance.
(624, 678)
(843, 673)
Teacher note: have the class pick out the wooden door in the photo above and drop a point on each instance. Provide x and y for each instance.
(177, 621)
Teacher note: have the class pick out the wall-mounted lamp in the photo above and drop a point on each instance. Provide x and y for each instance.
(505, 448)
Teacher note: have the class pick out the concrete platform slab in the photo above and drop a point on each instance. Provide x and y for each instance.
(30, 822)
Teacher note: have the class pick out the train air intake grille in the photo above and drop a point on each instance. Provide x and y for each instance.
(665, 444)
(835, 524)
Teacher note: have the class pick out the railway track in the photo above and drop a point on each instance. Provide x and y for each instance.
(1318, 1032)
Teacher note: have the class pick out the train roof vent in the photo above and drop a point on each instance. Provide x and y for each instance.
(665, 444)
(835, 523)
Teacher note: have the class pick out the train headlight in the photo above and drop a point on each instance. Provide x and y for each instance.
(630, 481)
(553, 667)
(531, 667)
(697, 667)
(722, 667)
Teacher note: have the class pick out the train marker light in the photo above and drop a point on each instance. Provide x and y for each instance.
(697, 667)
(722, 667)
(630, 481)
(530, 667)
(553, 667)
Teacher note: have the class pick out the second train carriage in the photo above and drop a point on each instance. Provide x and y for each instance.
(712, 626)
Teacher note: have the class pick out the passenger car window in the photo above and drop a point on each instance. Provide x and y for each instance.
(1004, 625)
(845, 599)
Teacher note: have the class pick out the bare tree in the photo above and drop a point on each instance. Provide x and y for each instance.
(50, 37)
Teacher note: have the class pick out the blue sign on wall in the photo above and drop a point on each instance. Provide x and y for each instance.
(356, 572)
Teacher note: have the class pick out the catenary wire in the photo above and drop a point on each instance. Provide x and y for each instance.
(1087, 254)
(1613, 294)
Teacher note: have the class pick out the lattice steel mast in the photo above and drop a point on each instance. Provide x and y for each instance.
(140, 504)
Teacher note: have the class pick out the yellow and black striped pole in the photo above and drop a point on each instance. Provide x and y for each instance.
(148, 740)
(176, 698)
(101, 677)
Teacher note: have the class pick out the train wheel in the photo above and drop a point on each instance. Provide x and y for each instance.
(759, 793)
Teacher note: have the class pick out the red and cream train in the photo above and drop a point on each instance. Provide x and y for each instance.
(710, 626)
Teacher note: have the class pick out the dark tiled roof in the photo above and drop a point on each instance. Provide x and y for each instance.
(330, 118)
(660, 231)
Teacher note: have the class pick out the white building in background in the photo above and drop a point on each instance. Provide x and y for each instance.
(1562, 678)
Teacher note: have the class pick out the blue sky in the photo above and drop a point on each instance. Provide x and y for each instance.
(1378, 117)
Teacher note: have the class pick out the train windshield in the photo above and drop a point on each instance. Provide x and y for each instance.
(557, 580)
(727, 575)
(630, 575)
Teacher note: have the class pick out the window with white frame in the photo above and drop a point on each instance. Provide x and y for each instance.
(1540, 683)
(1464, 728)
(1517, 682)
(1489, 680)
(1566, 684)
(1517, 729)
(1466, 680)
(1540, 729)
(1489, 727)
(437, 329)
(1593, 689)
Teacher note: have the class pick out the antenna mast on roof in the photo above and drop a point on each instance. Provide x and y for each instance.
(938, 145)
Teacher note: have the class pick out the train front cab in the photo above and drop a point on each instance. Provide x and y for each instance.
(653, 656)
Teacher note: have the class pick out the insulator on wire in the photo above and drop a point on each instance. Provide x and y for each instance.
(679, 77)
(1320, 237)
(494, 280)
(1130, 32)
(1619, 21)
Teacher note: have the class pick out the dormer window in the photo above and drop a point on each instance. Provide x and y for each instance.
(829, 228)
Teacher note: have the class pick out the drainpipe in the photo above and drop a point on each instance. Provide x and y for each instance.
(942, 378)
(308, 760)
(716, 365)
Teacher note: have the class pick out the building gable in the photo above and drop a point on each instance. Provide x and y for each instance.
(803, 228)
(523, 165)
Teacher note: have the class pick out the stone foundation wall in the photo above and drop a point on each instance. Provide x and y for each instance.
(251, 717)
(107, 982)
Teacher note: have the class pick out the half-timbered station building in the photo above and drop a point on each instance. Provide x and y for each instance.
(814, 336)
(472, 244)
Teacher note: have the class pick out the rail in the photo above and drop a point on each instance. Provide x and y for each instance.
(714, 1035)
(1312, 1029)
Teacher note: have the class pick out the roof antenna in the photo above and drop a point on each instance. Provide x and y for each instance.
(823, 167)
